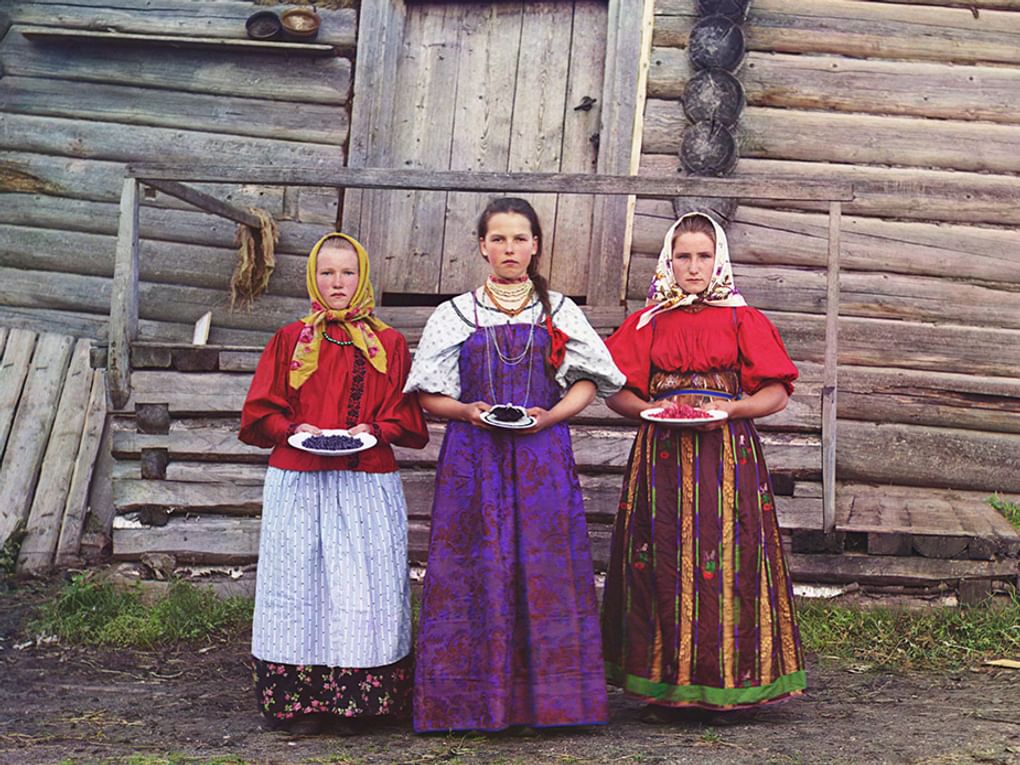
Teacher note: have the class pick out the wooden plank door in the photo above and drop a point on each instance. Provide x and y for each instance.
(488, 86)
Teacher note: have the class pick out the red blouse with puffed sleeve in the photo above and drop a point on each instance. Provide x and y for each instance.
(702, 340)
(344, 390)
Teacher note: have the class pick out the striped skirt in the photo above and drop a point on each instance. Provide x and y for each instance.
(698, 606)
(332, 586)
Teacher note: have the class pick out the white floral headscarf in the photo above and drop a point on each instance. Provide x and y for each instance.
(667, 294)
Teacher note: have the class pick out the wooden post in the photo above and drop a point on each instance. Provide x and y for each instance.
(623, 104)
(124, 300)
(829, 372)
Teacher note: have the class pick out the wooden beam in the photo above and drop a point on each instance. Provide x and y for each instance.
(265, 77)
(886, 192)
(834, 136)
(888, 247)
(885, 570)
(837, 83)
(205, 202)
(173, 17)
(336, 175)
(623, 101)
(829, 372)
(862, 30)
(130, 103)
(124, 298)
(70, 36)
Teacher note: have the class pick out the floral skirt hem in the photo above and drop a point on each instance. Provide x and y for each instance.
(288, 691)
(703, 696)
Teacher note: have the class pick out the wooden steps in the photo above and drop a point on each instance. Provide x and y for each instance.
(906, 520)
(185, 486)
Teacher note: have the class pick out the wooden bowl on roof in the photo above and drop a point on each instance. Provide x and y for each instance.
(301, 23)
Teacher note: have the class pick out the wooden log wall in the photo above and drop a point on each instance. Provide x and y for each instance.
(76, 104)
(916, 104)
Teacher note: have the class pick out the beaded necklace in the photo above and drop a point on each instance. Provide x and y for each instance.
(509, 359)
(336, 342)
(510, 299)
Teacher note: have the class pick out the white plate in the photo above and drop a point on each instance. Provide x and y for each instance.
(298, 442)
(521, 424)
(717, 416)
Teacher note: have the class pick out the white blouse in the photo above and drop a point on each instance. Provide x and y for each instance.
(435, 366)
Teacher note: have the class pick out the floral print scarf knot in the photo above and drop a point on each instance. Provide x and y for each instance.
(357, 319)
(666, 294)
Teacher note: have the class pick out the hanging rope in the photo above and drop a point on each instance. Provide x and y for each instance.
(256, 259)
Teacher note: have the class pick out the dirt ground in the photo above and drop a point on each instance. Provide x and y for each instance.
(74, 705)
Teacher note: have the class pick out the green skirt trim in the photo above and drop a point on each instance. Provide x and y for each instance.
(704, 695)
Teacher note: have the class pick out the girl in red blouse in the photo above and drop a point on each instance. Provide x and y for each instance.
(331, 638)
(698, 615)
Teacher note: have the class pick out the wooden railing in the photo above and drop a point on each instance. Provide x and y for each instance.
(168, 179)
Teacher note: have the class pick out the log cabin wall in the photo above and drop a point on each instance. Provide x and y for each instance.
(877, 93)
(926, 368)
(76, 106)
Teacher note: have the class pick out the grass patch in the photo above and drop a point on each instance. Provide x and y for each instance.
(93, 612)
(1010, 510)
(935, 639)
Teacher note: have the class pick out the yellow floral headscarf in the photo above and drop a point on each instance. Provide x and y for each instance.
(666, 294)
(357, 318)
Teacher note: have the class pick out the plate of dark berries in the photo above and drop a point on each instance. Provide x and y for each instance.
(682, 415)
(508, 416)
(332, 443)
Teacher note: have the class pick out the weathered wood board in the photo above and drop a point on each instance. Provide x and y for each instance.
(191, 394)
(596, 448)
(17, 360)
(866, 342)
(36, 250)
(123, 143)
(928, 456)
(780, 237)
(36, 411)
(892, 192)
(831, 136)
(441, 58)
(213, 539)
(97, 180)
(46, 514)
(224, 18)
(873, 294)
(858, 85)
(861, 30)
(191, 540)
(77, 505)
(219, 73)
(148, 107)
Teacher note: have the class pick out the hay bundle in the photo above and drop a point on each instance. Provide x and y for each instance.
(256, 259)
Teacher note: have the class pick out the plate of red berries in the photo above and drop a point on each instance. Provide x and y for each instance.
(683, 415)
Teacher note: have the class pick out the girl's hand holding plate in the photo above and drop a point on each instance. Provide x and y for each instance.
(473, 414)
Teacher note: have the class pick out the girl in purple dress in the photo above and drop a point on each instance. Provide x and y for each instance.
(509, 632)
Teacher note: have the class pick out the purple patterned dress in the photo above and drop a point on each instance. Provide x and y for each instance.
(509, 630)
